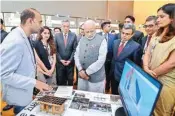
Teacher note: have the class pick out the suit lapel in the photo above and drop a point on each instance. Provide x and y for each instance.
(125, 49)
(69, 39)
(145, 39)
(28, 45)
(62, 40)
(116, 48)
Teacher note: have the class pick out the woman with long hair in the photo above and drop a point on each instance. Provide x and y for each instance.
(159, 59)
(46, 50)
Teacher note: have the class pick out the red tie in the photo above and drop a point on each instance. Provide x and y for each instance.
(65, 39)
(149, 39)
(120, 48)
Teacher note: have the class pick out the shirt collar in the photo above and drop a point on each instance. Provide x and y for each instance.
(104, 33)
(22, 32)
(125, 42)
(65, 34)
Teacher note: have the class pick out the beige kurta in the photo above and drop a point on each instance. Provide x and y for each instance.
(159, 54)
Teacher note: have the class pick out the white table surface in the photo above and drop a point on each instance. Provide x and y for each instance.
(33, 109)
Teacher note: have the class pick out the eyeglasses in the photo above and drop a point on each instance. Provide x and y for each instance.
(150, 26)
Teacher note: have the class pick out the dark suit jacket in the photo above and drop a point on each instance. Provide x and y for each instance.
(138, 36)
(132, 51)
(111, 39)
(43, 54)
(78, 38)
(65, 52)
(143, 42)
(3, 35)
(118, 36)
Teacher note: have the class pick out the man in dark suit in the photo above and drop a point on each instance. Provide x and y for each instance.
(150, 28)
(118, 35)
(138, 35)
(124, 48)
(66, 43)
(106, 27)
(3, 33)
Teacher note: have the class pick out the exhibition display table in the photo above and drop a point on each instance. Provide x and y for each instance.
(78, 103)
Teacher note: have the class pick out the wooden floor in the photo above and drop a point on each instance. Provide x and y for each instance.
(6, 113)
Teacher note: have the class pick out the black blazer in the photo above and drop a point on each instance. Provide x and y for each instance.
(3, 35)
(43, 54)
(138, 36)
(66, 52)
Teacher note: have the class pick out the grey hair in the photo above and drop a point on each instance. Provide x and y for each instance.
(129, 26)
(65, 21)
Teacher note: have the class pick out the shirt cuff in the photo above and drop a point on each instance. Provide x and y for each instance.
(79, 68)
(88, 72)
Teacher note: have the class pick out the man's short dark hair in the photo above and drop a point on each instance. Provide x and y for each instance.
(57, 28)
(105, 23)
(112, 31)
(26, 14)
(120, 25)
(151, 18)
(130, 17)
(2, 22)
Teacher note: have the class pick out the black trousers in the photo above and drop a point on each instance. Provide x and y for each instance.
(64, 74)
(114, 86)
(108, 74)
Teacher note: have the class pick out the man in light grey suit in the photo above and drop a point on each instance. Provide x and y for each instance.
(66, 43)
(18, 65)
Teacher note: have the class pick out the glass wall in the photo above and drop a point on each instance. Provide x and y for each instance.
(13, 19)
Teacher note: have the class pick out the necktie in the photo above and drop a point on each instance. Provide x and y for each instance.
(65, 39)
(149, 39)
(120, 48)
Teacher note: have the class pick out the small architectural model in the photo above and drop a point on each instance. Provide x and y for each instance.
(51, 104)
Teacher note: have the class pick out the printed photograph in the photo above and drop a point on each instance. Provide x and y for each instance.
(82, 95)
(79, 103)
(98, 106)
